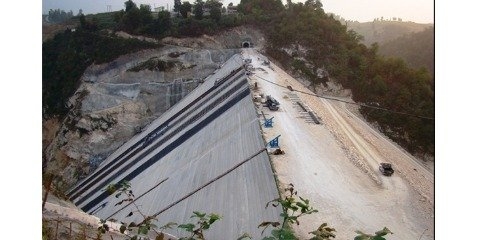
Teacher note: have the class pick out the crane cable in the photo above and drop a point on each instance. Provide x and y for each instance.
(348, 102)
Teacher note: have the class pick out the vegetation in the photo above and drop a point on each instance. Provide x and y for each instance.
(153, 64)
(379, 235)
(58, 16)
(136, 20)
(417, 49)
(382, 31)
(196, 230)
(68, 54)
(339, 54)
(293, 210)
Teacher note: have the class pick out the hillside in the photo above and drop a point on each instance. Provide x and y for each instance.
(417, 49)
(384, 31)
(182, 109)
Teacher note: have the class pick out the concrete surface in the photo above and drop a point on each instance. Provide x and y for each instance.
(211, 130)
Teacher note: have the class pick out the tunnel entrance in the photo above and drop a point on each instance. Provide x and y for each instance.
(246, 44)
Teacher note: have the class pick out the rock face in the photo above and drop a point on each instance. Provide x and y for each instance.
(117, 99)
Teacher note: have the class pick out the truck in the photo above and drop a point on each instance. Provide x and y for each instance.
(386, 169)
(272, 103)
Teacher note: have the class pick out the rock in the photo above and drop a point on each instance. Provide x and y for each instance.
(112, 105)
(278, 152)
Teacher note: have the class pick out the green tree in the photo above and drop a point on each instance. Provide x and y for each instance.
(145, 14)
(198, 9)
(215, 9)
(185, 8)
(130, 5)
(58, 15)
(177, 6)
(163, 22)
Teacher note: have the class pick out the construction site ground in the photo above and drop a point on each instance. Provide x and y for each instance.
(335, 164)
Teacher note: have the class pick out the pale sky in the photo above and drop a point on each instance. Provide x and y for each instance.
(420, 11)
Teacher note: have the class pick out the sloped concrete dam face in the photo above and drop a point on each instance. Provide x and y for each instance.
(206, 135)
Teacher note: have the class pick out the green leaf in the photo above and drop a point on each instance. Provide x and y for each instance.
(110, 189)
(214, 218)
(143, 229)
(383, 232)
(362, 237)
(269, 238)
(122, 229)
(198, 214)
(188, 227)
(306, 201)
(283, 234)
(265, 224)
(301, 205)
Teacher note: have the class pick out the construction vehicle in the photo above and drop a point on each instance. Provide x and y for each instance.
(386, 169)
(271, 103)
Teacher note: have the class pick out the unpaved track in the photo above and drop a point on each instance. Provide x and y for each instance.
(335, 165)
(426, 172)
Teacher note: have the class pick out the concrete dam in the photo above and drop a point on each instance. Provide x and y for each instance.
(205, 154)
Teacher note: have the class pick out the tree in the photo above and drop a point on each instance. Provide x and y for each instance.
(145, 14)
(163, 22)
(130, 5)
(82, 21)
(315, 4)
(198, 9)
(80, 12)
(58, 15)
(185, 8)
(215, 9)
(177, 6)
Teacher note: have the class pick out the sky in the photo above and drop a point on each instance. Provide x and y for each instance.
(420, 11)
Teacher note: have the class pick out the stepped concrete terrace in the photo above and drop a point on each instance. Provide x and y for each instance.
(209, 133)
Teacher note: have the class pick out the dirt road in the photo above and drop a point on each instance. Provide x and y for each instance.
(335, 164)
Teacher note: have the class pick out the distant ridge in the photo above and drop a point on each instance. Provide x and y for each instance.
(383, 31)
(417, 49)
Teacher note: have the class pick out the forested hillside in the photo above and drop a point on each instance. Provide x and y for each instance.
(307, 40)
(301, 36)
(68, 54)
(417, 49)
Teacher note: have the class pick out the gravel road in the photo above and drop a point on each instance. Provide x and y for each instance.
(335, 164)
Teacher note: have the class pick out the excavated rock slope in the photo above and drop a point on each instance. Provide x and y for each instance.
(114, 103)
